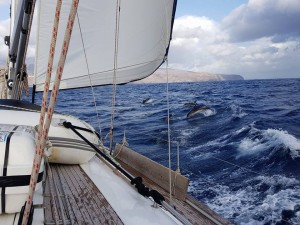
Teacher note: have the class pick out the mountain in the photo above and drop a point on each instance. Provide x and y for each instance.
(175, 76)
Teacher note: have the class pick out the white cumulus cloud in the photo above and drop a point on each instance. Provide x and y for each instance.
(4, 31)
(260, 39)
(279, 19)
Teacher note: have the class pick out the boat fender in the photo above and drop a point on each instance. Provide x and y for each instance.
(145, 191)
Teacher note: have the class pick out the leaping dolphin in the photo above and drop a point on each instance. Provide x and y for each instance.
(195, 110)
(147, 101)
(190, 103)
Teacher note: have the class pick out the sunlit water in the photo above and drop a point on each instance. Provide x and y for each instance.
(242, 154)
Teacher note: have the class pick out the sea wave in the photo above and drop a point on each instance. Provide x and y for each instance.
(223, 142)
(209, 112)
(247, 206)
(261, 140)
(237, 111)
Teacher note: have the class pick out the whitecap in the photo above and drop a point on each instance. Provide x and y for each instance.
(266, 139)
(249, 147)
(237, 111)
(246, 206)
(187, 132)
(288, 140)
(209, 112)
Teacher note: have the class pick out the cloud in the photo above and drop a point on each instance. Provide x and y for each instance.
(201, 44)
(4, 31)
(4, 2)
(279, 19)
(259, 39)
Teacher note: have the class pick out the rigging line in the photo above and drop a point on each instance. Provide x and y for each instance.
(175, 141)
(169, 135)
(113, 102)
(241, 167)
(92, 88)
(42, 139)
(216, 158)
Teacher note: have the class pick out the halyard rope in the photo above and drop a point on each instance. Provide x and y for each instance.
(45, 129)
(90, 80)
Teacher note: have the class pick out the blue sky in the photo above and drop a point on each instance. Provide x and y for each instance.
(4, 9)
(253, 38)
(214, 9)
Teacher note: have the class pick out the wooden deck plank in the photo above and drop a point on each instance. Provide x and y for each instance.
(48, 212)
(87, 197)
(47, 203)
(80, 211)
(63, 189)
(104, 210)
(88, 205)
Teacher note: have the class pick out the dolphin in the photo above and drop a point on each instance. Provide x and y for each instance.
(195, 110)
(147, 101)
(190, 103)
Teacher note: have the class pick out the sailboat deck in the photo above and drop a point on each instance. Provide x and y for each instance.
(77, 199)
(193, 210)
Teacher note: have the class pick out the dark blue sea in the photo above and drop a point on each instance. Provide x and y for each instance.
(241, 154)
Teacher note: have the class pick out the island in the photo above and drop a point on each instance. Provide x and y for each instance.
(178, 76)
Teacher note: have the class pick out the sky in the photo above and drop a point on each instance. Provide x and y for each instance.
(258, 39)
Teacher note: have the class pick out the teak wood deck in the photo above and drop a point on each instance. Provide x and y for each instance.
(71, 197)
(77, 199)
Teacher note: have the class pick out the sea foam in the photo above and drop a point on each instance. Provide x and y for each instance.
(261, 140)
(246, 206)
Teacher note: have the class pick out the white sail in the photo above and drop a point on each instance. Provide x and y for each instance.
(143, 39)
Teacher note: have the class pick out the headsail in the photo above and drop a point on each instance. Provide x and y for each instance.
(143, 39)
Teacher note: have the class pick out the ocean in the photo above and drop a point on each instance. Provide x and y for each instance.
(241, 153)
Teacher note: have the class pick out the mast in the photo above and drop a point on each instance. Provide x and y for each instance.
(17, 50)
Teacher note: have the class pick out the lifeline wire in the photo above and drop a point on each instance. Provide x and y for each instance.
(169, 135)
